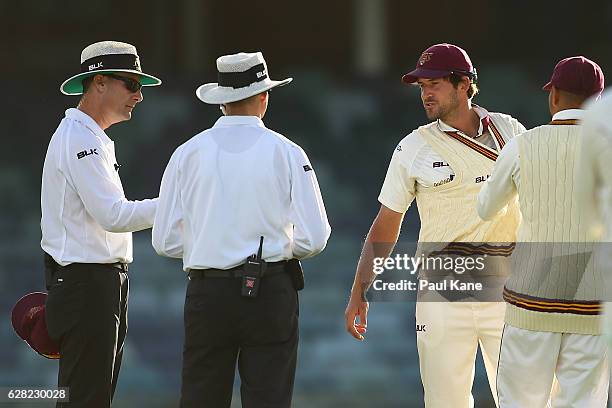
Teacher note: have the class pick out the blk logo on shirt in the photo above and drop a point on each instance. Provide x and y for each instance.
(86, 153)
(482, 179)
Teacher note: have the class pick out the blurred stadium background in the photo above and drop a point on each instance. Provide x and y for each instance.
(346, 107)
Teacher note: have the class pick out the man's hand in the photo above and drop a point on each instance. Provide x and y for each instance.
(356, 307)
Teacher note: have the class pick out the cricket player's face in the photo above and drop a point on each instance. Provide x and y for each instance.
(439, 97)
(120, 100)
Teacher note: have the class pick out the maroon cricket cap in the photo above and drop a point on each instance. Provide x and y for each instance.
(28, 318)
(578, 75)
(441, 60)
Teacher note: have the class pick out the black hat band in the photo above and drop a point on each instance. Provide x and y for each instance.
(242, 79)
(473, 75)
(111, 61)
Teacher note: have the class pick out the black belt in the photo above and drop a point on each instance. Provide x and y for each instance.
(272, 268)
(119, 265)
(123, 267)
(50, 262)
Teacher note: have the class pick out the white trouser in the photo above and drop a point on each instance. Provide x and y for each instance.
(606, 322)
(447, 348)
(530, 360)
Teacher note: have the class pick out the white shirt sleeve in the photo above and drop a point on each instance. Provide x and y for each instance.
(97, 183)
(167, 236)
(399, 188)
(499, 189)
(307, 214)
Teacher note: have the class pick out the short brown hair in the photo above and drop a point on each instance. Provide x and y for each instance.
(456, 78)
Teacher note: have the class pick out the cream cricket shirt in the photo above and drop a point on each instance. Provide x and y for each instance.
(420, 164)
(85, 215)
(595, 187)
(231, 184)
(552, 287)
(595, 178)
(506, 178)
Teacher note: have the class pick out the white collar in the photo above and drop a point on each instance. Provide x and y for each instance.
(482, 114)
(88, 122)
(569, 114)
(234, 120)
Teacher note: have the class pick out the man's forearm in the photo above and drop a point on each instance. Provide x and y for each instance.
(380, 242)
(365, 276)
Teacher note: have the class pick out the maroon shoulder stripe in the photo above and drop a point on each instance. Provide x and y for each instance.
(474, 146)
(564, 122)
(497, 134)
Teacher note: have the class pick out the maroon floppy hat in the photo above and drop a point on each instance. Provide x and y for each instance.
(578, 75)
(28, 318)
(439, 61)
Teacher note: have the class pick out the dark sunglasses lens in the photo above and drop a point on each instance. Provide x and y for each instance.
(132, 85)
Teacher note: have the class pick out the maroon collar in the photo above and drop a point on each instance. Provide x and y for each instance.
(485, 123)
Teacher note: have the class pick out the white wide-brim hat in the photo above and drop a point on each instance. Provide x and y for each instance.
(107, 57)
(240, 76)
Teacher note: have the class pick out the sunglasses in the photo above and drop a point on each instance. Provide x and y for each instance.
(131, 85)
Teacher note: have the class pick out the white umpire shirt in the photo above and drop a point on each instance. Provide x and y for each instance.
(231, 184)
(85, 215)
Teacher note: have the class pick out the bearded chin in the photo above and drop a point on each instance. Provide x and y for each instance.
(444, 111)
(433, 115)
(436, 113)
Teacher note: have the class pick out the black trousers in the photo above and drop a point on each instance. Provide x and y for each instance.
(223, 328)
(86, 310)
